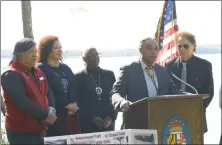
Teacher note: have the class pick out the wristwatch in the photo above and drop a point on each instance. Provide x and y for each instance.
(52, 109)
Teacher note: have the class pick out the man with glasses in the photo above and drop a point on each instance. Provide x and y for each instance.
(192, 69)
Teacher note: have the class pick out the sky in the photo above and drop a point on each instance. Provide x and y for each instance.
(107, 25)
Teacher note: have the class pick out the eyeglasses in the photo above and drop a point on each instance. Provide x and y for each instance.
(186, 46)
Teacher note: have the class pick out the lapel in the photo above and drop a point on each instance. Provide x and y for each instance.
(140, 78)
(192, 65)
(104, 76)
(158, 76)
(87, 79)
(176, 67)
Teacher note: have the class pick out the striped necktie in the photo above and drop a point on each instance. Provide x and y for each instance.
(183, 76)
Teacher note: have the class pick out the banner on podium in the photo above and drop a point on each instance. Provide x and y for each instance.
(128, 136)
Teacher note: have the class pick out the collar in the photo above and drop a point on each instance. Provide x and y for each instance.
(22, 67)
(144, 66)
(189, 60)
(87, 70)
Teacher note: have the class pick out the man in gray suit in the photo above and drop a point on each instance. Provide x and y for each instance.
(141, 79)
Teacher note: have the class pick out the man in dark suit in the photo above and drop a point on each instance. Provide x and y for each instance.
(192, 69)
(142, 79)
(94, 85)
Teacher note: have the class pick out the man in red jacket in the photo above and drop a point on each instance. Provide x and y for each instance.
(28, 100)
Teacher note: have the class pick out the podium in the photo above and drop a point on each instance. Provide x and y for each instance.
(178, 119)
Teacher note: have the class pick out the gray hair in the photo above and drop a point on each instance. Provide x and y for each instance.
(144, 40)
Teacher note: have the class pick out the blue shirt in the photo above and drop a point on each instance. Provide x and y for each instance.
(152, 90)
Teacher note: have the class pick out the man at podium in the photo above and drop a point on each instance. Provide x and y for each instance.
(142, 78)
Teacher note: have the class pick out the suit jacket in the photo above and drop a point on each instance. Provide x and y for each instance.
(199, 75)
(131, 84)
(87, 94)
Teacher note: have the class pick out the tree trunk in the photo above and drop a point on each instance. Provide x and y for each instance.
(27, 19)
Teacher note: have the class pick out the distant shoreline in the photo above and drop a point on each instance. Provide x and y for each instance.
(114, 53)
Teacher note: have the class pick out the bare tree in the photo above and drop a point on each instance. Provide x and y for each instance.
(27, 18)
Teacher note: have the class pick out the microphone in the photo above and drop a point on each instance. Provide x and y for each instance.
(195, 90)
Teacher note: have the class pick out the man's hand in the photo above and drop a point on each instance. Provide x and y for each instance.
(72, 108)
(107, 122)
(99, 122)
(188, 93)
(124, 105)
(51, 118)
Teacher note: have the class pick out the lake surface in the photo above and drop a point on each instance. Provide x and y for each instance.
(114, 63)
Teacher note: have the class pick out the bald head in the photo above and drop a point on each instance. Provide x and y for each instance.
(87, 51)
(90, 57)
(149, 49)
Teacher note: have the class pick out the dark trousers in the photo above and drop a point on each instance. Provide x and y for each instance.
(90, 127)
(25, 137)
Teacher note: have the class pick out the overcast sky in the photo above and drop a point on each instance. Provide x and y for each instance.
(108, 25)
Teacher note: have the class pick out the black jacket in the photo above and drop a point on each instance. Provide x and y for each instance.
(88, 102)
(199, 75)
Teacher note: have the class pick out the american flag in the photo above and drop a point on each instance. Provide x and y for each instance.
(165, 33)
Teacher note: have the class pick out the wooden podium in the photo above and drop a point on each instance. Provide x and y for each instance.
(177, 118)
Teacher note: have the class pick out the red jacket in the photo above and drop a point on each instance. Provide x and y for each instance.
(16, 119)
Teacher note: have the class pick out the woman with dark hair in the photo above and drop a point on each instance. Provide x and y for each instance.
(62, 83)
(192, 69)
(26, 96)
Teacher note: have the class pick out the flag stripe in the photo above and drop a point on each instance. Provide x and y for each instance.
(170, 25)
(169, 45)
(168, 53)
(165, 33)
(170, 31)
(169, 39)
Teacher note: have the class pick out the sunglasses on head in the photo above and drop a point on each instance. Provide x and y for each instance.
(186, 46)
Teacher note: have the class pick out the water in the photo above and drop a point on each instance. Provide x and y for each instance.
(213, 111)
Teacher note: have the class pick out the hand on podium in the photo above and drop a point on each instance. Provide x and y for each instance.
(124, 105)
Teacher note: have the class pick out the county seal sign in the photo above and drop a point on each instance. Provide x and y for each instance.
(176, 131)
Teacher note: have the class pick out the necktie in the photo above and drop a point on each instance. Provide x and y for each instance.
(183, 76)
(150, 72)
(152, 86)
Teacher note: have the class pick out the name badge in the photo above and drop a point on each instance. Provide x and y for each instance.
(41, 78)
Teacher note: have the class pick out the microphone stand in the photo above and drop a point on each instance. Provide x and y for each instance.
(196, 92)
